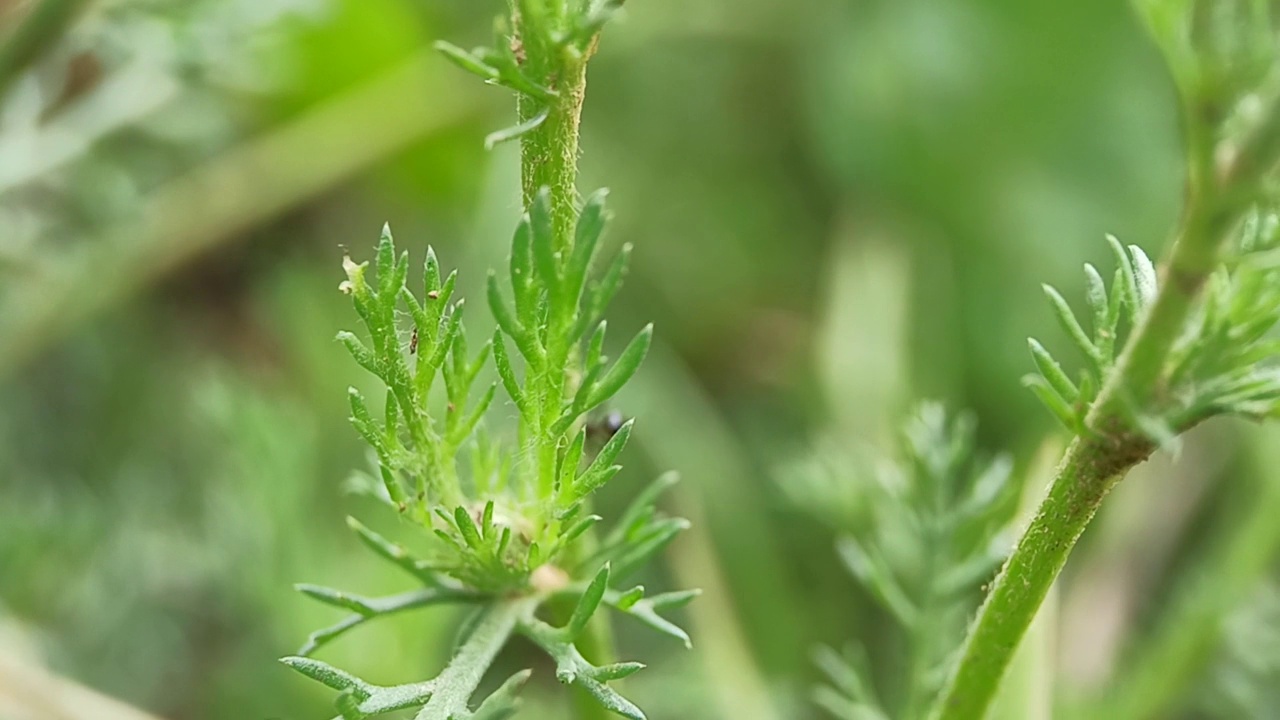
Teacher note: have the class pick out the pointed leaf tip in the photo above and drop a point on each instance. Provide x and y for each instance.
(1144, 275)
(617, 671)
(323, 673)
(589, 602)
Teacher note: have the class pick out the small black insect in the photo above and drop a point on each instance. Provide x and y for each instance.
(413, 342)
(603, 427)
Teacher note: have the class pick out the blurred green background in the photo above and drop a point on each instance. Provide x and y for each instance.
(838, 206)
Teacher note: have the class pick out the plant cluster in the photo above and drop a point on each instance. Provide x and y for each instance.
(1244, 683)
(1164, 350)
(925, 530)
(509, 522)
(1196, 333)
(1220, 364)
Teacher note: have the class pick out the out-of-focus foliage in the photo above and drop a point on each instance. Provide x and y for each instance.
(789, 172)
(134, 93)
(1245, 681)
(920, 534)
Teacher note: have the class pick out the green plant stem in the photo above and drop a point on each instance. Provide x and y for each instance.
(39, 31)
(549, 153)
(459, 681)
(1027, 692)
(1097, 460)
(1078, 488)
(549, 159)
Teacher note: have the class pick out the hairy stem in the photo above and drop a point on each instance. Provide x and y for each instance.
(1027, 692)
(549, 153)
(549, 159)
(1080, 483)
(459, 681)
(1096, 461)
(42, 27)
